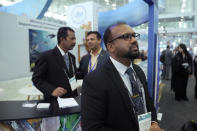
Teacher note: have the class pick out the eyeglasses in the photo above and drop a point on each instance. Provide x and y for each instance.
(127, 37)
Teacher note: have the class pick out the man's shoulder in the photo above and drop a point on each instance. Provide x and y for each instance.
(99, 72)
(71, 54)
(86, 56)
(47, 53)
(138, 69)
(104, 52)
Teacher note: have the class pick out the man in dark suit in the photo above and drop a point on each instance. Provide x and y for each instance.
(54, 68)
(97, 56)
(108, 102)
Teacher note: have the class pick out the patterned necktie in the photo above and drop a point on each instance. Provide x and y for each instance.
(66, 59)
(137, 96)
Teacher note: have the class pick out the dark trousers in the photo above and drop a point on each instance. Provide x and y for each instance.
(180, 86)
(195, 86)
(166, 71)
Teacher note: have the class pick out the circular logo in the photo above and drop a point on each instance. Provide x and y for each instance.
(79, 15)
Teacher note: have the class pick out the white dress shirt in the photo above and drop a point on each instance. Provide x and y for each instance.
(122, 71)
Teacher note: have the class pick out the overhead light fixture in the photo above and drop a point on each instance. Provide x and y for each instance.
(56, 16)
(185, 25)
(8, 3)
(107, 1)
(65, 6)
(182, 10)
(180, 24)
(114, 5)
(183, 5)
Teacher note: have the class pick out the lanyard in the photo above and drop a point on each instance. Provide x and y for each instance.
(91, 68)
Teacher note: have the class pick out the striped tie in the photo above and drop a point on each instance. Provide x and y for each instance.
(137, 96)
(66, 59)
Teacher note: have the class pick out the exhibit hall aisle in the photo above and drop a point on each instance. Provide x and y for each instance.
(176, 113)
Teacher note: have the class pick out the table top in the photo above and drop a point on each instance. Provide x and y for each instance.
(13, 110)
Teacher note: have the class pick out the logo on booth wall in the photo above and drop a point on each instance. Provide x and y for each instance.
(79, 15)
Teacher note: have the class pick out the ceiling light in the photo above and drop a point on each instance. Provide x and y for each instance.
(182, 10)
(55, 16)
(180, 24)
(184, 25)
(114, 5)
(8, 3)
(183, 5)
(65, 6)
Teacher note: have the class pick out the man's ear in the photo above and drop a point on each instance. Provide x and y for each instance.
(110, 47)
(61, 39)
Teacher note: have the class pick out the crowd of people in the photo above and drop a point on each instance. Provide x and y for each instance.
(182, 66)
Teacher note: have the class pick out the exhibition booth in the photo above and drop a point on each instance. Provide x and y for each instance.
(23, 39)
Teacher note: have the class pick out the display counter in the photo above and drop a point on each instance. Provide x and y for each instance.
(13, 111)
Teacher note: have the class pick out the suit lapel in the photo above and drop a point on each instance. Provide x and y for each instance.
(119, 84)
(59, 58)
(100, 57)
(60, 61)
(87, 62)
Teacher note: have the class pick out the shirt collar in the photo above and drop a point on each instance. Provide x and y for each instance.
(61, 51)
(119, 66)
(96, 53)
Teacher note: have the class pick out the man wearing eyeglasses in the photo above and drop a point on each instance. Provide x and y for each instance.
(115, 98)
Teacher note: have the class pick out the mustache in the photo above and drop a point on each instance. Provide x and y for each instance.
(134, 44)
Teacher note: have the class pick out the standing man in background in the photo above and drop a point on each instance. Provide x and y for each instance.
(55, 68)
(97, 56)
(168, 55)
(114, 96)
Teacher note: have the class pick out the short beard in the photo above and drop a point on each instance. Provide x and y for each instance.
(132, 55)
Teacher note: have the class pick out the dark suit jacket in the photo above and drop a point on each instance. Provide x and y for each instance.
(105, 103)
(49, 73)
(84, 63)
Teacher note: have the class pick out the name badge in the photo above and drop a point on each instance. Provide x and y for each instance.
(73, 83)
(144, 121)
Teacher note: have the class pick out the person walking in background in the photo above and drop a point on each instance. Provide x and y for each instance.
(175, 51)
(182, 68)
(95, 58)
(115, 95)
(55, 68)
(142, 55)
(167, 56)
(195, 74)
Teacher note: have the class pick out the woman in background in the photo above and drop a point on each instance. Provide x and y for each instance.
(182, 68)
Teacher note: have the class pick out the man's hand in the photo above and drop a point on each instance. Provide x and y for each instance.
(155, 127)
(59, 91)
